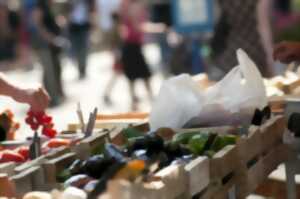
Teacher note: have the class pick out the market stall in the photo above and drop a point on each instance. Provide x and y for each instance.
(222, 141)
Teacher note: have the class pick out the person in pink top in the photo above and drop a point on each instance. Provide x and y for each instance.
(133, 15)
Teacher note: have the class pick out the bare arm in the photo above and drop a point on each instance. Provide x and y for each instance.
(37, 98)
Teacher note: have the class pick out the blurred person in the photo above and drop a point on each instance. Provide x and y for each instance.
(80, 18)
(37, 98)
(287, 52)
(115, 43)
(244, 24)
(105, 10)
(133, 15)
(9, 36)
(47, 42)
(161, 13)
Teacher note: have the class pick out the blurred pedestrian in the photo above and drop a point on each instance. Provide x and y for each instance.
(133, 60)
(9, 36)
(80, 17)
(115, 43)
(244, 24)
(105, 10)
(161, 13)
(47, 42)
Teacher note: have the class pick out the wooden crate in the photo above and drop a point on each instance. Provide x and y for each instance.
(242, 167)
(223, 172)
(260, 153)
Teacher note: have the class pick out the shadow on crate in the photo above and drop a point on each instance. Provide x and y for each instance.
(275, 189)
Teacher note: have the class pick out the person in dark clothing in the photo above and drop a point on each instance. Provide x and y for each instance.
(134, 64)
(9, 26)
(161, 13)
(246, 25)
(79, 26)
(47, 42)
(283, 6)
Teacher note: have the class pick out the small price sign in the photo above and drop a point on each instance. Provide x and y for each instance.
(193, 15)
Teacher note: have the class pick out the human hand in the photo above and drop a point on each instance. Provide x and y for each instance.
(38, 99)
(287, 52)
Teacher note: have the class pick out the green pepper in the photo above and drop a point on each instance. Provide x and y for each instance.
(218, 144)
(197, 143)
(209, 153)
(184, 138)
(223, 141)
(230, 139)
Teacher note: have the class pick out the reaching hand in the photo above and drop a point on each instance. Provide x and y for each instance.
(38, 99)
(287, 52)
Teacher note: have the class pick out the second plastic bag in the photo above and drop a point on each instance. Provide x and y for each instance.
(232, 101)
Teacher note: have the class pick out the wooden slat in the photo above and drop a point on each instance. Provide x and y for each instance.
(198, 175)
(175, 179)
(123, 116)
(272, 132)
(224, 162)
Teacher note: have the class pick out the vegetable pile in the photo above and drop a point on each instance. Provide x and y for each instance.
(140, 157)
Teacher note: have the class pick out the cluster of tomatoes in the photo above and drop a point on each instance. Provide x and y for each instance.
(35, 121)
(41, 119)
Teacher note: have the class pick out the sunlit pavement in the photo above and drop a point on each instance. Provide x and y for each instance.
(88, 92)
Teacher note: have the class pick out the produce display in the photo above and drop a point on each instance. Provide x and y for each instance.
(214, 144)
(140, 157)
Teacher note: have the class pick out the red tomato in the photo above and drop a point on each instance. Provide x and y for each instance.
(49, 132)
(56, 143)
(11, 156)
(23, 151)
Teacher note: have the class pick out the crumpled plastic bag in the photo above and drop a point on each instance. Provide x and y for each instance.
(232, 101)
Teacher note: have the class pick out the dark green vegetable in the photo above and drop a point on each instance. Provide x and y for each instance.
(132, 133)
(184, 138)
(63, 176)
(111, 151)
(209, 153)
(96, 166)
(152, 143)
(210, 141)
(197, 143)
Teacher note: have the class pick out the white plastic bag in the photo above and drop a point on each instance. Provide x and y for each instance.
(233, 100)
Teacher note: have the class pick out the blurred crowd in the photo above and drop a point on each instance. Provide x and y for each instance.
(44, 30)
